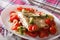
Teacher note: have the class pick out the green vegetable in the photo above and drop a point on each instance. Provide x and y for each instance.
(31, 20)
(46, 16)
(21, 30)
(24, 11)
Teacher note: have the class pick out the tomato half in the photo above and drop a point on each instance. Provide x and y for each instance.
(53, 30)
(31, 34)
(43, 34)
(14, 27)
(19, 8)
(33, 27)
(16, 23)
(14, 17)
(12, 12)
(29, 9)
(48, 21)
(52, 23)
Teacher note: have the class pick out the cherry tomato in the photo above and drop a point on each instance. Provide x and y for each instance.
(29, 9)
(19, 8)
(48, 21)
(14, 27)
(31, 34)
(33, 27)
(52, 30)
(43, 34)
(16, 23)
(46, 32)
(12, 12)
(52, 23)
(14, 17)
(20, 23)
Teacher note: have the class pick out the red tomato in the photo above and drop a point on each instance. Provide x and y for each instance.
(14, 17)
(29, 9)
(20, 23)
(33, 27)
(48, 21)
(12, 12)
(46, 32)
(14, 27)
(52, 30)
(16, 23)
(43, 34)
(31, 34)
(52, 23)
(19, 8)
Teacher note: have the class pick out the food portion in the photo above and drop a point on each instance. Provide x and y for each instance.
(32, 22)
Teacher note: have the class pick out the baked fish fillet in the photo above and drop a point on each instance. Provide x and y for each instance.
(24, 18)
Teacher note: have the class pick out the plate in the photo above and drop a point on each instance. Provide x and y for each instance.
(5, 19)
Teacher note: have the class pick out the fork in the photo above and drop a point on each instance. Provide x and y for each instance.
(44, 6)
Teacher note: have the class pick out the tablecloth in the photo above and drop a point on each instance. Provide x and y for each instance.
(6, 33)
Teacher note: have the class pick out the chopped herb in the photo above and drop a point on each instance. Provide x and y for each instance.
(38, 16)
(46, 16)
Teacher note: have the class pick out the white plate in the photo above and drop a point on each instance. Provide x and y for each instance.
(5, 16)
